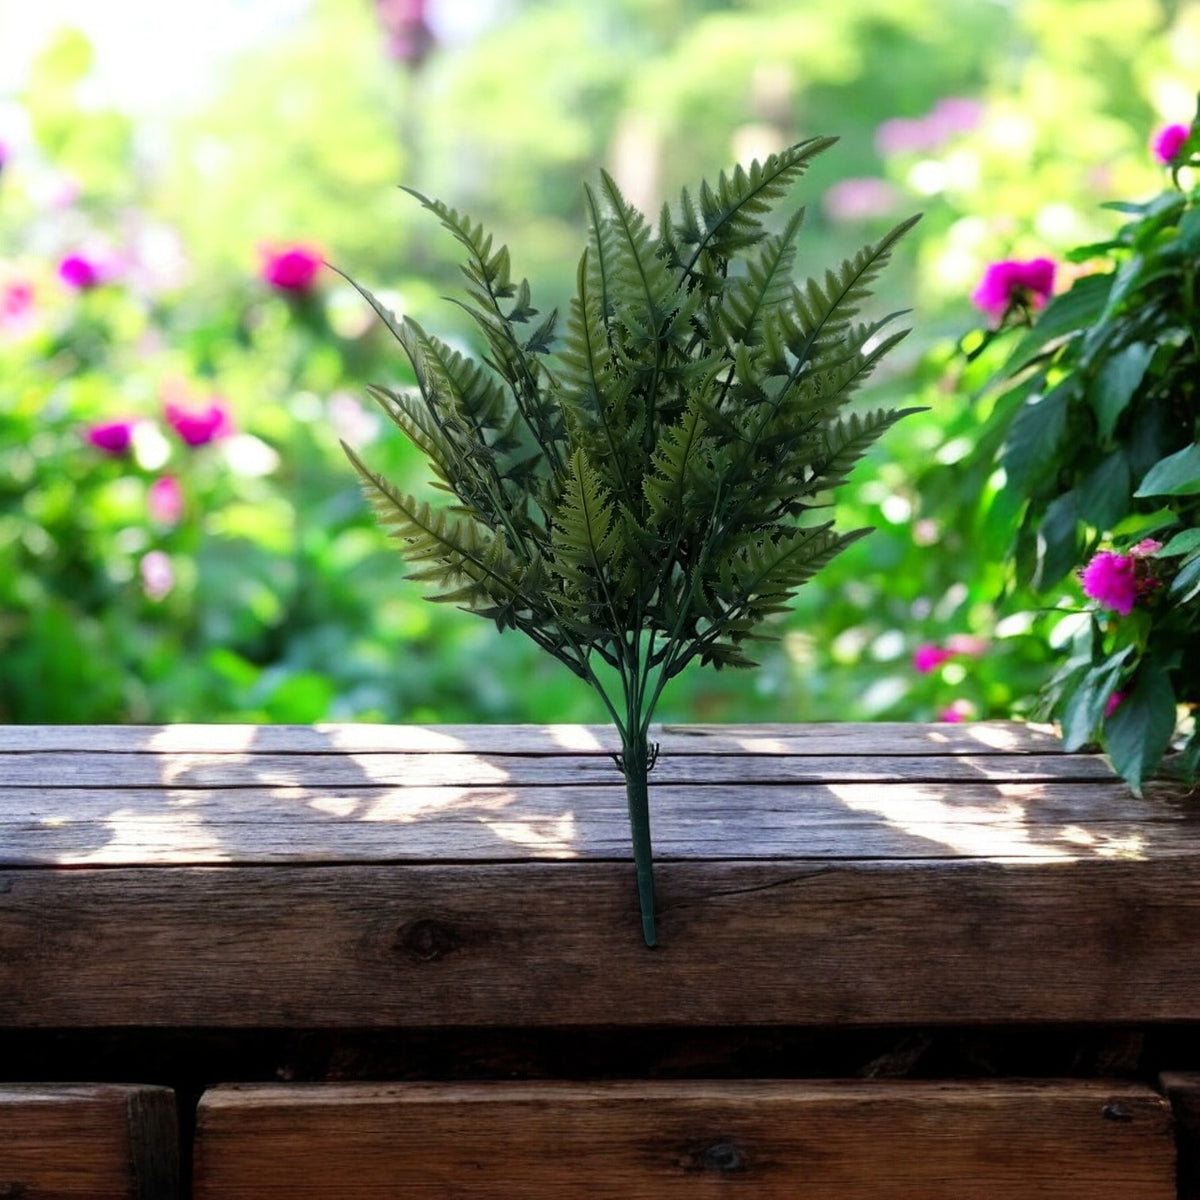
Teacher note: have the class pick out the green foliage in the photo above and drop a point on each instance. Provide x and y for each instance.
(655, 492)
(1102, 446)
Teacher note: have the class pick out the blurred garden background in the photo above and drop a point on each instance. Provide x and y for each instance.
(181, 537)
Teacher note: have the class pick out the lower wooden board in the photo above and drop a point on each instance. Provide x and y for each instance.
(1183, 1090)
(88, 1141)
(1066, 1140)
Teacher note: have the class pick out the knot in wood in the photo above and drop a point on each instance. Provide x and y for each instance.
(724, 1158)
(427, 940)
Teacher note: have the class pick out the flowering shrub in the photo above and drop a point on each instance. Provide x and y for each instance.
(1100, 419)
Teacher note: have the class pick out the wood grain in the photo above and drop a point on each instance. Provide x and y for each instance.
(557, 944)
(91, 1141)
(1183, 1091)
(977, 737)
(662, 1141)
(1039, 821)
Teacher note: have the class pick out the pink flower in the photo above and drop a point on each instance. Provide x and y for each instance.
(968, 644)
(198, 426)
(959, 711)
(164, 500)
(4, 154)
(79, 272)
(1013, 282)
(16, 299)
(859, 199)
(16, 305)
(291, 268)
(158, 575)
(113, 437)
(1111, 579)
(1113, 703)
(1146, 548)
(929, 657)
(409, 38)
(1168, 141)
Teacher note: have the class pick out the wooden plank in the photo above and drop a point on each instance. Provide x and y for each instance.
(977, 737)
(1053, 822)
(660, 1141)
(1104, 941)
(142, 769)
(92, 1141)
(1183, 1090)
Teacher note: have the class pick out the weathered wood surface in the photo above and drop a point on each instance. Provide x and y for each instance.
(1183, 1091)
(895, 737)
(368, 876)
(660, 1141)
(90, 1141)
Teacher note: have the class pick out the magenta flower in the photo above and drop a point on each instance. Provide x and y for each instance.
(959, 711)
(1014, 282)
(291, 268)
(1111, 579)
(113, 437)
(164, 500)
(1168, 141)
(1113, 703)
(929, 657)
(198, 426)
(4, 154)
(79, 272)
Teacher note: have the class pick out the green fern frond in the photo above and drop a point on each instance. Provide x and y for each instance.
(747, 301)
(848, 439)
(824, 312)
(584, 538)
(647, 287)
(491, 271)
(456, 552)
(730, 214)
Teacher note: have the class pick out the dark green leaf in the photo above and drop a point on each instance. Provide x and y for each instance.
(1084, 708)
(1034, 438)
(1176, 475)
(1116, 382)
(1104, 494)
(1064, 315)
(1137, 735)
(1183, 542)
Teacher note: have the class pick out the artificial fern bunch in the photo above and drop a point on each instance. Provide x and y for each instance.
(653, 487)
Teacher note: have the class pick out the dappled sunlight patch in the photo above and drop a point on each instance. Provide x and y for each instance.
(397, 737)
(763, 745)
(134, 836)
(403, 805)
(575, 737)
(335, 806)
(1002, 737)
(998, 830)
(558, 837)
(179, 739)
(1105, 845)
